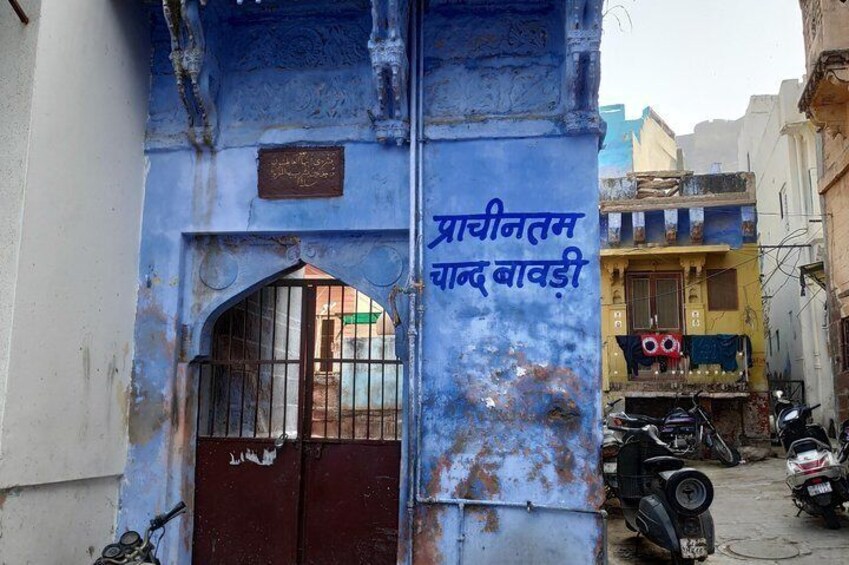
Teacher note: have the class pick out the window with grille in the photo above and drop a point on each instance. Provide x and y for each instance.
(722, 290)
(654, 302)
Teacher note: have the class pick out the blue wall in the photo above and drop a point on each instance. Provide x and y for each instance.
(509, 102)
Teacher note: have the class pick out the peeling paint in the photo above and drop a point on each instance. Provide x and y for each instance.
(269, 456)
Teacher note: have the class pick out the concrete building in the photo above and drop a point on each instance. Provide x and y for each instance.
(326, 270)
(825, 100)
(73, 96)
(641, 144)
(683, 267)
(712, 147)
(780, 146)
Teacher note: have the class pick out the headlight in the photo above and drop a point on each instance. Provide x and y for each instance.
(689, 492)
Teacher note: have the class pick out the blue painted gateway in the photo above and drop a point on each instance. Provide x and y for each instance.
(368, 318)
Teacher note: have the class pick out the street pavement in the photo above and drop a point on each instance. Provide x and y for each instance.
(755, 522)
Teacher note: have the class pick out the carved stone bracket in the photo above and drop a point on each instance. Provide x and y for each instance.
(826, 96)
(390, 69)
(616, 267)
(194, 69)
(693, 266)
(583, 75)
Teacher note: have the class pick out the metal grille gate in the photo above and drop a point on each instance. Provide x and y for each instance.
(299, 417)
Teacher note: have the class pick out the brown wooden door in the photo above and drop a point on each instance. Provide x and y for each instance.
(298, 451)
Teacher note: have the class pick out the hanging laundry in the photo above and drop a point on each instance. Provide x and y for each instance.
(718, 349)
(632, 350)
(662, 345)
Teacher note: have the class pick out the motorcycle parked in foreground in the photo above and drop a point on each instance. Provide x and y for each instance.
(684, 431)
(610, 444)
(661, 499)
(816, 476)
(132, 548)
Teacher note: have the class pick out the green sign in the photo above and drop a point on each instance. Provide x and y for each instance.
(361, 318)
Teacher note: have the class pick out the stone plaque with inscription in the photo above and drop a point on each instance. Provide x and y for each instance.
(301, 172)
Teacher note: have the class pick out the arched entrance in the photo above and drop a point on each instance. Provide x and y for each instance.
(298, 443)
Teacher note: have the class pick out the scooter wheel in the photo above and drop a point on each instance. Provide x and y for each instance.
(832, 522)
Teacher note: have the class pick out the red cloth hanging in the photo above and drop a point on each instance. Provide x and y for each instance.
(662, 345)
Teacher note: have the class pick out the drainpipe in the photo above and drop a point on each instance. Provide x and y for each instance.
(410, 445)
(418, 85)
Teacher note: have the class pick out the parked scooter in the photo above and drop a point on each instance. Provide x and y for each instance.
(132, 548)
(684, 431)
(843, 438)
(610, 443)
(816, 476)
(661, 499)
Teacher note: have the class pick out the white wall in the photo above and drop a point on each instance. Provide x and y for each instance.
(780, 144)
(17, 68)
(69, 321)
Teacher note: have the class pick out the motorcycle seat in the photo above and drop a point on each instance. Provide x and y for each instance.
(643, 420)
(662, 463)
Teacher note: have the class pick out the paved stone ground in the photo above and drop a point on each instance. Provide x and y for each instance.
(755, 523)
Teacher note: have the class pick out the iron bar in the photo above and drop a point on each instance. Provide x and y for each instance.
(258, 356)
(383, 373)
(341, 363)
(19, 11)
(368, 380)
(273, 368)
(244, 365)
(329, 368)
(354, 376)
(286, 357)
(229, 375)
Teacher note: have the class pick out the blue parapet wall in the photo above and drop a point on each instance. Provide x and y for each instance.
(510, 384)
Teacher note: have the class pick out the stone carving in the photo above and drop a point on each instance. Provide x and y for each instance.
(219, 269)
(306, 44)
(491, 91)
(382, 266)
(388, 49)
(316, 98)
(194, 69)
(583, 69)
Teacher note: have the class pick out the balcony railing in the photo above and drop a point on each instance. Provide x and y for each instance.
(717, 361)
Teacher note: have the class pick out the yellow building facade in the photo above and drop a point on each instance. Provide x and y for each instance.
(697, 274)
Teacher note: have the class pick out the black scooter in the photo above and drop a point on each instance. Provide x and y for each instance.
(661, 499)
(132, 548)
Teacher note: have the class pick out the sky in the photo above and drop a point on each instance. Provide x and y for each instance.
(696, 60)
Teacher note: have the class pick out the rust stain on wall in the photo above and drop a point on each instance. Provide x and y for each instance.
(429, 533)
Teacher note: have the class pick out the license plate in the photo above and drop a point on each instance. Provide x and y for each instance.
(610, 468)
(694, 548)
(822, 488)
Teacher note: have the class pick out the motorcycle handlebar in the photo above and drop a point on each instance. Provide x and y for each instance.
(162, 519)
(815, 406)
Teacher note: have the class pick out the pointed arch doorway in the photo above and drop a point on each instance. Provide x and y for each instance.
(299, 426)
